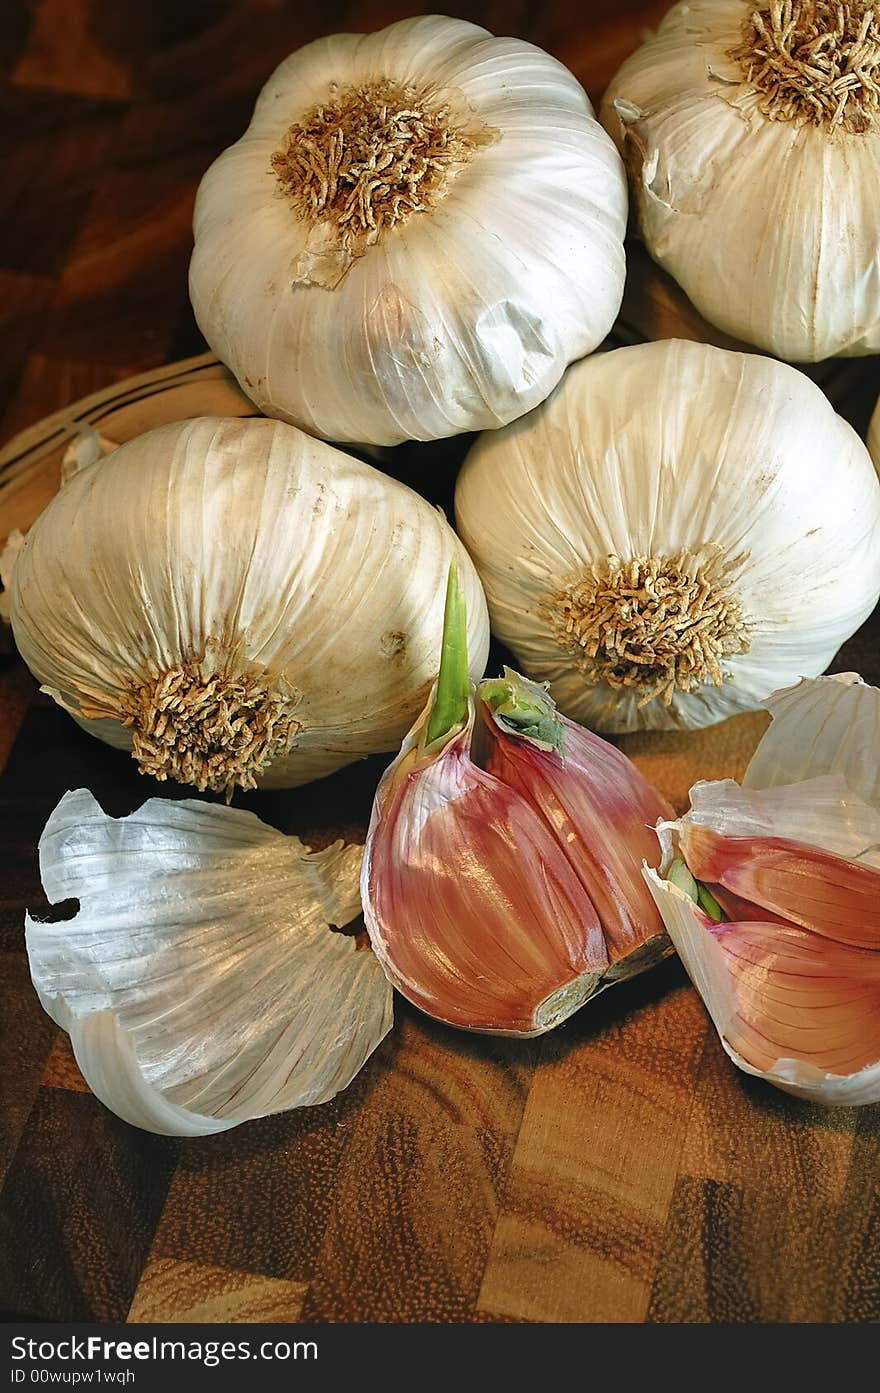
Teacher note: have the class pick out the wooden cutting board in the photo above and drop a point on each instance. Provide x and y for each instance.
(619, 1169)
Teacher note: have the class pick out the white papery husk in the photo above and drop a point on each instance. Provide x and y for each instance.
(815, 779)
(660, 448)
(200, 982)
(772, 227)
(462, 317)
(244, 544)
(655, 307)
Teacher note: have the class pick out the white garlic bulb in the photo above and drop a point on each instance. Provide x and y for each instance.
(237, 602)
(655, 307)
(751, 131)
(419, 230)
(200, 982)
(676, 533)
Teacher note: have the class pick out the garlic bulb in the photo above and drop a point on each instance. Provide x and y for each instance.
(236, 603)
(751, 131)
(420, 228)
(655, 307)
(200, 982)
(789, 965)
(501, 879)
(675, 534)
(35, 462)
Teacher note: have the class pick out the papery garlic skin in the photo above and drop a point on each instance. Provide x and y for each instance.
(792, 983)
(200, 982)
(727, 475)
(458, 318)
(501, 890)
(250, 565)
(771, 226)
(824, 725)
(655, 307)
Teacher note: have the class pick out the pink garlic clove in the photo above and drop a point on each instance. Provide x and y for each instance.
(800, 996)
(805, 885)
(603, 811)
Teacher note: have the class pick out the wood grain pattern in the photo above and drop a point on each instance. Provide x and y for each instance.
(618, 1170)
(583, 1217)
(214, 1295)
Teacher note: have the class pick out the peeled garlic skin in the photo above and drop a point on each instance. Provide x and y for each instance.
(771, 227)
(460, 319)
(661, 448)
(200, 982)
(262, 547)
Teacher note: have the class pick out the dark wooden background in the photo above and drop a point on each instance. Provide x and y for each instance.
(619, 1169)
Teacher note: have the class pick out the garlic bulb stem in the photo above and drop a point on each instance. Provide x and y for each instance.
(815, 61)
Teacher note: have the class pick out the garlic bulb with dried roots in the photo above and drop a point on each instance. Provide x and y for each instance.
(696, 528)
(201, 982)
(501, 879)
(420, 228)
(771, 894)
(238, 603)
(751, 131)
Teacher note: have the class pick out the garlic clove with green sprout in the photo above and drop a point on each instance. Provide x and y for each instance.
(697, 528)
(201, 983)
(752, 137)
(789, 966)
(417, 232)
(238, 603)
(501, 880)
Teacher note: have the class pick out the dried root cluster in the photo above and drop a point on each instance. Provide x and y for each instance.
(815, 60)
(370, 158)
(658, 624)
